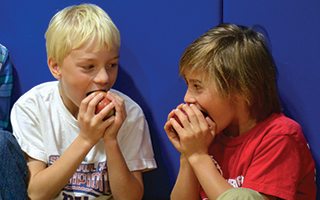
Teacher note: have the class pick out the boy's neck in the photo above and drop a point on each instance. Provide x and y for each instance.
(242, 123)
(239, 129)
(67, 104)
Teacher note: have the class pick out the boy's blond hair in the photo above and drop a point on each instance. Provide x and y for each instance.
(236, 59)
(75, 26)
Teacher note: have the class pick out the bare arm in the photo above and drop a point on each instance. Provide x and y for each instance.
(123, 183)
(91, 131)
(193, 141)
(59, 173)
(209, 177)
(187, 185)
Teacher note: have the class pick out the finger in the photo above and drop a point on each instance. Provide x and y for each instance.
(197, 112)
(171, 134)
(212, 125)
(94, 102)
(109, 121)
(182, 114)
(176, 127)
(85, 102)
(117, 100)
(118, 104)
(187, 116)
(200, 117)
(170, 115)
(168, 128)
(112, 96)
(106, 112)
(181, 105)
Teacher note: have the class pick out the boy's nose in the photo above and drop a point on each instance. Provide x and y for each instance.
(188, 98)
(102, 77)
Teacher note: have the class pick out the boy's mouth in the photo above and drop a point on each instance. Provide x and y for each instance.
(204, 114)
(95, 91)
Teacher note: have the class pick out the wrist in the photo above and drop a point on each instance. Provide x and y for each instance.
(198, 159)
(183, 159)
(110, 143)
(86, 144)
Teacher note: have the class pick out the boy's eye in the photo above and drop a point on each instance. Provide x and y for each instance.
(113, 65)
(88, 67)
(197, 86)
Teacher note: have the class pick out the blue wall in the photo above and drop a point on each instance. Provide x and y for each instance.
(154, 35)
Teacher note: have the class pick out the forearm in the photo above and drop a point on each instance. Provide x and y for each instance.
(187, 186)
(209, 177)
(47, 183)
(123, 184)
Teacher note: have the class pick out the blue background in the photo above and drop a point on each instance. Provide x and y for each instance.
(154, 35)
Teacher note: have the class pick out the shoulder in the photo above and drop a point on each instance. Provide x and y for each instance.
(285, 123)
(39, 94)
(279, 125)
(282, 134)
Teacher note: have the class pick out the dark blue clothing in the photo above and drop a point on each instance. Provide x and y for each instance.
(13, 169)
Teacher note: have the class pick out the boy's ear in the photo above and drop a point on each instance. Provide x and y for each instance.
(54, 68)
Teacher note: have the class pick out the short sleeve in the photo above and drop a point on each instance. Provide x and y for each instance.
(26, 129)
(275, 167)
(135, 142)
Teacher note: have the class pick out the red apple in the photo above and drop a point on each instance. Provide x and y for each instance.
(103, 103)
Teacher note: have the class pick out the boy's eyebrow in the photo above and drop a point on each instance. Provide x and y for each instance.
(116, 57)
(191, 80)
(89, 59)
(195, 81)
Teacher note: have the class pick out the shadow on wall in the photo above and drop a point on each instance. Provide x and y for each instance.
(156, 182)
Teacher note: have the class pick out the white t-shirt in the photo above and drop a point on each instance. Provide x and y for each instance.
(45, 128)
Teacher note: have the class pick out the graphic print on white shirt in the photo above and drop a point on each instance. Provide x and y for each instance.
(88, 179)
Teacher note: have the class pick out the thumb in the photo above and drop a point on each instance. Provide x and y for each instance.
(212, 125)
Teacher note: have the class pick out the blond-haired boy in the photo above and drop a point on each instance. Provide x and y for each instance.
(73, 153)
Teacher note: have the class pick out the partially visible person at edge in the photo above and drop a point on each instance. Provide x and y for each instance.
(236, 143)
(13, 166)
(73, 153)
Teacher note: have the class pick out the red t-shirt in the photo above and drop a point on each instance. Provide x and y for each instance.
(272, 158)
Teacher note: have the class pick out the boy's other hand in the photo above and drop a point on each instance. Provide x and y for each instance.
(111, 131)
(92, 126)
